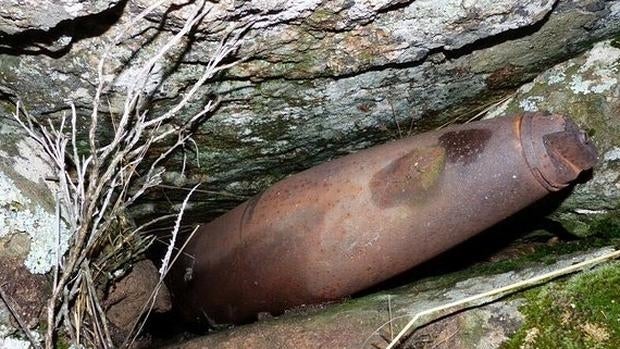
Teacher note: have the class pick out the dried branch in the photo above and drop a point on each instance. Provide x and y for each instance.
(109, 177)
(492, 295)
(163, 271)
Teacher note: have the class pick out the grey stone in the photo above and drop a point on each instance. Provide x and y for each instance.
(587, 88)
(17, 16)
(322, 78)
(29, 236)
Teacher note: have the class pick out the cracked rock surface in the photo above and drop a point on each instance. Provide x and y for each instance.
(321, 78)
(17, 16)
(28, 230)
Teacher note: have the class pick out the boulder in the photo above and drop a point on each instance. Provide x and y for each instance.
(588, 89)
(320, 78)
(30, 234)
(20, 16)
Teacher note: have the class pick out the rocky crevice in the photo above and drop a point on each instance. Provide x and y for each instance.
(323, 78)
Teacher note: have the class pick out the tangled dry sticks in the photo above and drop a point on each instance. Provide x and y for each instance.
(109, 176)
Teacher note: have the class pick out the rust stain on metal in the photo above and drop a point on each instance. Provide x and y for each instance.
(345, 225)
(463, 146)
(408, 179)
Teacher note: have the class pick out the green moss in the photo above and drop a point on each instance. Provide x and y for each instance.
(63, 343)
(323, 18)
(602, 226)
(608, 226)
(542, 253)
(577, 228)
(583, 312)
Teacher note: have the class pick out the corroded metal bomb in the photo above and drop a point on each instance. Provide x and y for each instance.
(348, 224)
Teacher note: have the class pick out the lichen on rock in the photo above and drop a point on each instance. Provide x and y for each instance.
(19, 16)
(14, 343)
(26, 203)
(321, 79)
(586, 88)
(31, 237)
(40, 225)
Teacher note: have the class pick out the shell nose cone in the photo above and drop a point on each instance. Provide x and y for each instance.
(570, 151)
(584, 155)
(556, 149)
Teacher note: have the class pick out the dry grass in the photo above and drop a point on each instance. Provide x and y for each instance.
(108, 178)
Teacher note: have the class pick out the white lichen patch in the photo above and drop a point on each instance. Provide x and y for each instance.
(56, 75)
(604, 83)
(599, 73)
(253, 139)
(602, 54)
(606, 182)
(135, 78)
(530, 104)
(20, 214)
(5, 317)
(556, 75)
(367, 9)
(237, 120)
(14, 343)
(80, 93)
(29, 164)
(285, 10)
(612, 155)
(615, 9)
(73, 8)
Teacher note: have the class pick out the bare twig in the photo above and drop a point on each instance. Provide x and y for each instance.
(109, 177)
(148, 306)
(390, 317)
(165, 264)
(492, 295)
(480, 112)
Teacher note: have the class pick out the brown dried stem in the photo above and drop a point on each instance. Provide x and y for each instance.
(109, 178)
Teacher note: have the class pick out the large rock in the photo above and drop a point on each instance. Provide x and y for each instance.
(19, 16)
(29, 229)
(588, 89)
(49, 27)
(322, 79)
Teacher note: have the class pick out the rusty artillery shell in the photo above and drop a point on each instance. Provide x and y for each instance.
(348, 224)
